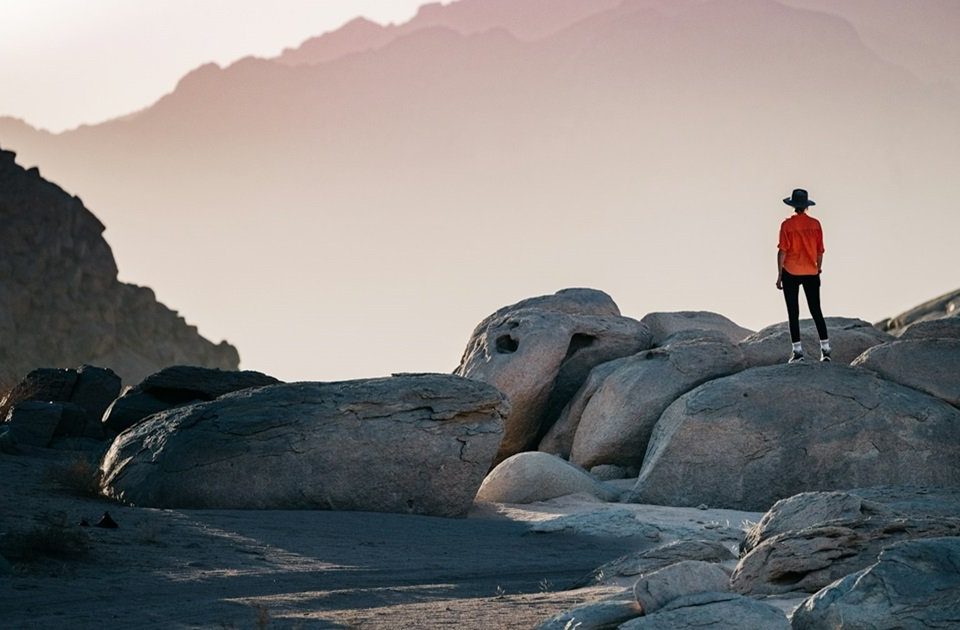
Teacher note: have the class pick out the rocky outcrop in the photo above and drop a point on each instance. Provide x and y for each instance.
(747, 440)
(913, 584)
(664, 325)
(539, 352)
(946, 328)
(930, 365)
(717, 611)
(809, 509)
(533, 476)
(811, 539)
(849, 338)
(60, 301)
(620, 406)
(625, 569)
(177, 386)
(51, 403)
(417, 444)
(947, 305)
(594, 616)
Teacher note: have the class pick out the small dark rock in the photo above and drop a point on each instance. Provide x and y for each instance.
(107, 522)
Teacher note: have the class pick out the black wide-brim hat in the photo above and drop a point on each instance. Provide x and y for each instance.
(799, 199)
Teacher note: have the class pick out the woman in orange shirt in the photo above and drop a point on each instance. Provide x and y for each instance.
(799, 261)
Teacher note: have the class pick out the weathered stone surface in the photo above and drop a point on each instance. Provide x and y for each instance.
(62, 302)
(930, 365)
(540, 351)
(717, 611)
(655, 590)
(809, 559)
(748, 440)
(33, 422)
(534, 476)
(617, 420)
(946, 305)
(946, 328)
(913, 584)
(849, 338)
(413, 444)
(607, 522)
(594, 616)
(663, 325)
(177, 386)
(80, 397)
(624, 570)
(809, 509)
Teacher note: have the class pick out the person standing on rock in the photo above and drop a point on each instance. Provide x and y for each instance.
(799, 262)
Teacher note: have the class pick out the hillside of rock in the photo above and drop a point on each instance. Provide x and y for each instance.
(61, 304)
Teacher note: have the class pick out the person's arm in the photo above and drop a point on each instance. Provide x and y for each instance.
(819, 262)
(780, 257)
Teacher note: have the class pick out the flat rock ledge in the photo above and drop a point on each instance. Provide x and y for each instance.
(417, 444)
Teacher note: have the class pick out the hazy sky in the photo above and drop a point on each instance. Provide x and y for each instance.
(104, 58)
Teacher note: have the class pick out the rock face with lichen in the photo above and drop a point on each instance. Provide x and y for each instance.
(417, 444)
(61, 304)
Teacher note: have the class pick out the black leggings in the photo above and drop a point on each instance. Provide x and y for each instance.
(791, 293)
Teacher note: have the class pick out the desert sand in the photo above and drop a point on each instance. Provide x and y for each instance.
(504, 566)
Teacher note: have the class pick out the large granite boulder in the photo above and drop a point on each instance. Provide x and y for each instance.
(416, 444)
(849, 338)
(594, 615)
(177, 386)
(666, 324)
(539, 352)
(534, 476)
(946, 328)
(748, 440)
(616, 421)
(62, 304)
(946, 305)
(717, 611)
(930, 365)
(913, 584)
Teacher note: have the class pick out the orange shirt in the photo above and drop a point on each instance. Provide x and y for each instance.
(801, 240)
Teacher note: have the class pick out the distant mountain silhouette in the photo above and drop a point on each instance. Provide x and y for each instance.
(528, 19)
(387, 195)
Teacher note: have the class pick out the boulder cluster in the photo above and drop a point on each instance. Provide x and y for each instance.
(854, 463)
(60, 301)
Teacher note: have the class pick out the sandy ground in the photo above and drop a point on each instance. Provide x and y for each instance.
(503, 567)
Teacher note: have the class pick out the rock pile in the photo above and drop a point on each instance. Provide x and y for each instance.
(60, 301)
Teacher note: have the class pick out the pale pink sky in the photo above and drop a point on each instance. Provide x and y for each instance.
(65, 62)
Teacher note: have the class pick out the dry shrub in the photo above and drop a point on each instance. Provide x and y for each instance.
(51, 537)
(80, 477)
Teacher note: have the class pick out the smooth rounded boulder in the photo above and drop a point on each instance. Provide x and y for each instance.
(849, 338)
(663, 325)
(534, 476)
(946, 328)
(417, 444)
(930, 365)
(745, 441)
(913, 584)
(617, 420)
(539, 352)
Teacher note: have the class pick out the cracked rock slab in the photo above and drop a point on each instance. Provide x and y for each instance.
(745, 441)
(930, 365)
(809, 559)
(416, 444)
(913, 584)
(849, 338)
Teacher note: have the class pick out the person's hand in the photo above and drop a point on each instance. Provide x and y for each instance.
(780, 283)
